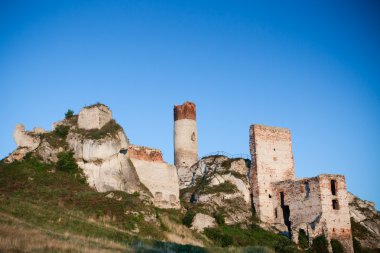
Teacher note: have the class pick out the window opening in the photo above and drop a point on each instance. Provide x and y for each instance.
(333, 187)
(335, 204)
(307, 189)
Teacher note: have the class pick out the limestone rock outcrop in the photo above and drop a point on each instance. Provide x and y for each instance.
(219, 184)
(365, 221)
(202, 221)
(25, 139)
(26, 142)
(102, 150)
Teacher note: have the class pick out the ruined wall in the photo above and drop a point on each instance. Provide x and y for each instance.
(338, 225)
(94, 117)
(272, 161)
(302, 197)
(185, 138)
(160, 178)
(145, 153)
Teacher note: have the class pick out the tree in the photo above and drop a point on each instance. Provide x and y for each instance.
(69, 114)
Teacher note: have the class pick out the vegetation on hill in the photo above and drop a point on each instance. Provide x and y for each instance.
(48, 207)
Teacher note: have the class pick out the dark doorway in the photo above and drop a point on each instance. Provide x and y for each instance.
(286, 214)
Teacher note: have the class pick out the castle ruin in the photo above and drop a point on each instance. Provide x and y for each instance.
(315, 206)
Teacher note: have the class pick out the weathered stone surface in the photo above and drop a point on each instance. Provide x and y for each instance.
(24, 138)
(48, 153)
(365, 215)
(25, 141)
(185, 137)
(212, 172)
(103, 163)
(39, 130)
(202, 221)
(116, 173)
(160, 178)
(91, 150)
(272, 161)
(94, 117)
(145, 153)
(17, 155)
(185, 111)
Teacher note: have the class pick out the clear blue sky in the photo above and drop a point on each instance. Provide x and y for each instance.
(311, 66)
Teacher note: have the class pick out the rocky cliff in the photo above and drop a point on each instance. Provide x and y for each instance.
(219, 188)
(365, 222)
(97, 143)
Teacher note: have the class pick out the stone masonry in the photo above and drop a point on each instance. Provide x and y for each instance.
(185, 138)
(94, 117)
(159, 177)
(317, 205)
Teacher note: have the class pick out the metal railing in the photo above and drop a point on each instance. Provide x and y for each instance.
(222, 153)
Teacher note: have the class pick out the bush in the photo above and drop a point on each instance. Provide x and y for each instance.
(66, 162)
(188, 218)
(320, 245)
(218, 236)
(61, 131)
(336, 246)
(303, 241)
(69, 114)
(284, 245)
(219, 218)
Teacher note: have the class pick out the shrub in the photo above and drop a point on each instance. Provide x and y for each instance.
(218, 236)
(188, 218)
(69, 114)
(66, 162)
(219, 218)
(61, 131)
(336, 246)
(284, 245)
(303, 241)
(320, 245)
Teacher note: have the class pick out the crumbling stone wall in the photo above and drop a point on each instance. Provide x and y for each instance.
(185, 138)
(272, 161)
(337, 214)
(94, 117)
(159, 177)
(302, 198)
(145, 153)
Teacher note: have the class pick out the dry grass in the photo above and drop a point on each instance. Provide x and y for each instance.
(19, 236)
(180, 234)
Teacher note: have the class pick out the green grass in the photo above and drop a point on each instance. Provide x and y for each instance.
(109, 129)
(226, 187)
(63, 208)
(234, 235)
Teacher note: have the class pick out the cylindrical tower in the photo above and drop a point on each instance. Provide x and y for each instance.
(185, 135)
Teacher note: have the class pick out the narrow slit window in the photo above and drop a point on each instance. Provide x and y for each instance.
(307, 189)
(335, 204)
(282, 197)
(333, 187)
(275, 213)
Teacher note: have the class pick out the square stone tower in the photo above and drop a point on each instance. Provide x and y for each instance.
(94, 117)
(272, 161)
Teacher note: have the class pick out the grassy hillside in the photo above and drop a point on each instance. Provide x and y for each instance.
(44, 208)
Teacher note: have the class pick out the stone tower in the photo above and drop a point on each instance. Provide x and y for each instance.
(272, 161)
(185, 137)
